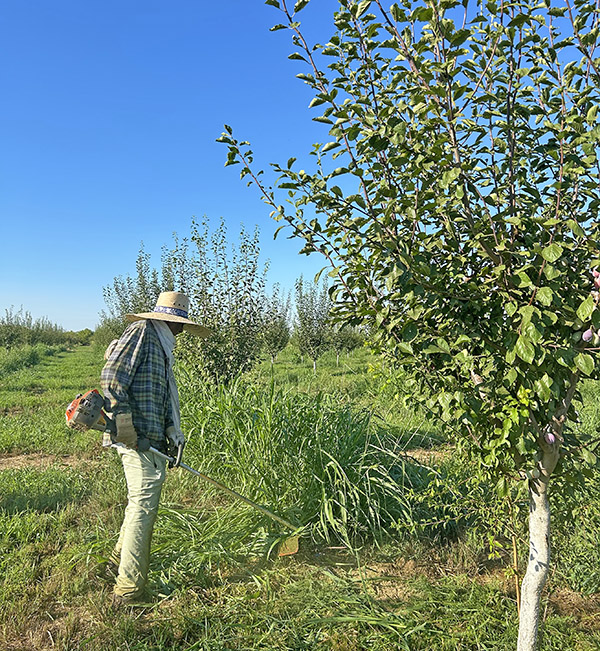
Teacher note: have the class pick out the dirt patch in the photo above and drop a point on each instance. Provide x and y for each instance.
(58, 630)
(586, 609)
(390, 584)
(430, 456)
(12, 411)
(39, 461)
(388, 580)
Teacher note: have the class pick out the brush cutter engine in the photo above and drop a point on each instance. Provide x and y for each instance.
(87, 412)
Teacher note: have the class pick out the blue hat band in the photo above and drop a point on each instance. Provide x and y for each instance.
(171, 310)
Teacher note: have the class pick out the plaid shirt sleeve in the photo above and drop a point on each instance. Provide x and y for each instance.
(120, 368)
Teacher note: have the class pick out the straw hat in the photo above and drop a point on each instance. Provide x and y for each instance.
(174, 307)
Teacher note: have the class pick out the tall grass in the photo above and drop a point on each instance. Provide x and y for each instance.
(317, 463)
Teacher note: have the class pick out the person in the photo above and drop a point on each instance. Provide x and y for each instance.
(141, 395)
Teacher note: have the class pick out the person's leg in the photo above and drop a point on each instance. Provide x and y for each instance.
(145, 474)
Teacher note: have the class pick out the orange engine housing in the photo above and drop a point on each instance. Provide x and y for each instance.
(86, 412)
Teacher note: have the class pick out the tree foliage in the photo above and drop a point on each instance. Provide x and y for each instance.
(275, 328)
(344, 338)
(225, 284)
(18, 328)
(460, 214)
(313, 307)
(130, 294)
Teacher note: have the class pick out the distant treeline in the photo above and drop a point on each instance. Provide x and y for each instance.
(18, 328)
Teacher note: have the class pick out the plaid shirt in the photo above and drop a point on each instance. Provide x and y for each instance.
(134, 379)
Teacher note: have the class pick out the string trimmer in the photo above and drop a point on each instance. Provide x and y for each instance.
(86, 412)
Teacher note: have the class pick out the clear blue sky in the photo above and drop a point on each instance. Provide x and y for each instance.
(108, 123)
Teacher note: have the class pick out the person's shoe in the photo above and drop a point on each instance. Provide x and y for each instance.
(120, 601)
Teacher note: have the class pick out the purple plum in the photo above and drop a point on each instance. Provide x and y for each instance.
(550, 438)
(587, 335)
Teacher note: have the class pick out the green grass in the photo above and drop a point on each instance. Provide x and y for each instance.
(213, 584)
(33, 402)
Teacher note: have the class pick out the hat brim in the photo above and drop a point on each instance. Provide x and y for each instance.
(188, 326)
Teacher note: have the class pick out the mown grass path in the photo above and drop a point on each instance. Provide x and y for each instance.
(59, 516)
(33, 402)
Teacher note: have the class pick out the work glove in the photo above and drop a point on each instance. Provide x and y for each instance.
(126, 433)
(175, 444)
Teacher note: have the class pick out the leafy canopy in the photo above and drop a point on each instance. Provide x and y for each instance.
(456, 199)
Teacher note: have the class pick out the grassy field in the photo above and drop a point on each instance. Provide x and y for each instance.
(335, 453)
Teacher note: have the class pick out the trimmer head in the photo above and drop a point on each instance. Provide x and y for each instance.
(288, 546)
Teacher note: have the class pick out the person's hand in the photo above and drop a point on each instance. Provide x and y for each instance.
(175, 436)
(176, 442)
(126, 433)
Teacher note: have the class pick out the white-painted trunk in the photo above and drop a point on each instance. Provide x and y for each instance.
(537, 567)
(539, 551)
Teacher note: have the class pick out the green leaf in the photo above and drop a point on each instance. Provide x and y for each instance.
(542, 387)
(329, 146)
(590, 118)
(405, 347)
(584, 311)
(524, 279)
(519, 20)
(397, 13)
(363, 7)
(525, 349)
(442, 344)
(445, 399)
(552, 252)
(315, 101)
(502, 487)
(585, 363)
(551, 272)
(526, 314)
(409, 332)
(449, 176)
(273, 3)
(589, 457)
(544, 296)
(510, 356)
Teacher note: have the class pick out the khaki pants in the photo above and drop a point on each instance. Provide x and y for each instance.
(145, 474)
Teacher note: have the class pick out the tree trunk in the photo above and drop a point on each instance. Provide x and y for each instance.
(537, 567)
(315, 367)
(539, 551)
(549, 440)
